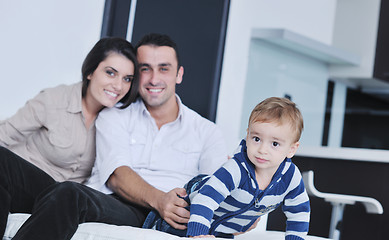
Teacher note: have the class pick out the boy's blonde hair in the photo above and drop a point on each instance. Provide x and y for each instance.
(280, 110)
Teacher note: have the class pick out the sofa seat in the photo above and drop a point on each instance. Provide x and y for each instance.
(101, 231)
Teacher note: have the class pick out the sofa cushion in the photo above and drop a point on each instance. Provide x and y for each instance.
(102, 231)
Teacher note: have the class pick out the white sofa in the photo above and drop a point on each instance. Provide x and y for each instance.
(101, 231)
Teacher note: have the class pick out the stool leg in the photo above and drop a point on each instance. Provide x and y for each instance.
(336, 220)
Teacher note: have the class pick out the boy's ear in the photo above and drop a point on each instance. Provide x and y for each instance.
(293, 149)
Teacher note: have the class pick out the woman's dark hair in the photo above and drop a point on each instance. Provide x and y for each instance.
(100, 52)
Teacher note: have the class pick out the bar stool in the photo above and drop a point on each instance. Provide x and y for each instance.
(338, 202)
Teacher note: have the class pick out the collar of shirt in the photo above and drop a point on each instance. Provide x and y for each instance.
(75, 99)
(180, 112)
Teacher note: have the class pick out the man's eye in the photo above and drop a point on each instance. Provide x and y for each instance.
(164, 69)
(256, 139)
(275, 144)
(144, 69)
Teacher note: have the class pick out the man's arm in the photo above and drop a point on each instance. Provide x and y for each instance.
(113, 165)
(129, 185)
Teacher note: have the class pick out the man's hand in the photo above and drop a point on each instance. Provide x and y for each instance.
(129, 185)
(171, 207)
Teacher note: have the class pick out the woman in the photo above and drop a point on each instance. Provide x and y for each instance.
(52, 138)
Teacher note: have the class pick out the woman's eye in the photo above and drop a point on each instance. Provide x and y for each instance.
(275, 144)
(110, 73)
(128, 79)
(256, 139)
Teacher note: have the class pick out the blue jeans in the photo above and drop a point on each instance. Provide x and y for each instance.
(154, 220)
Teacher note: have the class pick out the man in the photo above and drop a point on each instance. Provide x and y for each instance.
(145, 154)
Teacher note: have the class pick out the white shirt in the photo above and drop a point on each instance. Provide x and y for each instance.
(167, 157)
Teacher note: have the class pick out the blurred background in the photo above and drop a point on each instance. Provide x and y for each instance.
(328, 56)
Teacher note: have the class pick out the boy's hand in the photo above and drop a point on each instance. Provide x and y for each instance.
(204, 236)
(251, 227)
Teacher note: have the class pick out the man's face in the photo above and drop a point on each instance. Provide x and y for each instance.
(158, 75)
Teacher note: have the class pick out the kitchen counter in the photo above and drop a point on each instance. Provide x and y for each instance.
(349, 154)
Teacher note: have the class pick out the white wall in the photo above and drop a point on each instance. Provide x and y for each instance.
(313, 19)
(43, 44)
(278, 71)
(355, 30)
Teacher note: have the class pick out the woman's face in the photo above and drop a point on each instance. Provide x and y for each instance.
(111, 80)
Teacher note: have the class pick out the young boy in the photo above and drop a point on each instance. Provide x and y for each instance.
(257, 180)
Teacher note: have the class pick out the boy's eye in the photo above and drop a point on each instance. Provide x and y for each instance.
(256, 139)
(275, 144)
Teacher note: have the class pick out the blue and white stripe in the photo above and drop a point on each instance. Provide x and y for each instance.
(230, 201)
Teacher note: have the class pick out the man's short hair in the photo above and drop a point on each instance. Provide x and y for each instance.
(158, 40)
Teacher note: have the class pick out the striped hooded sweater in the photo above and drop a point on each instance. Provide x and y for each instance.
(230, 200)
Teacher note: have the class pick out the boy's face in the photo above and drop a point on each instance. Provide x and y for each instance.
(268, 144)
